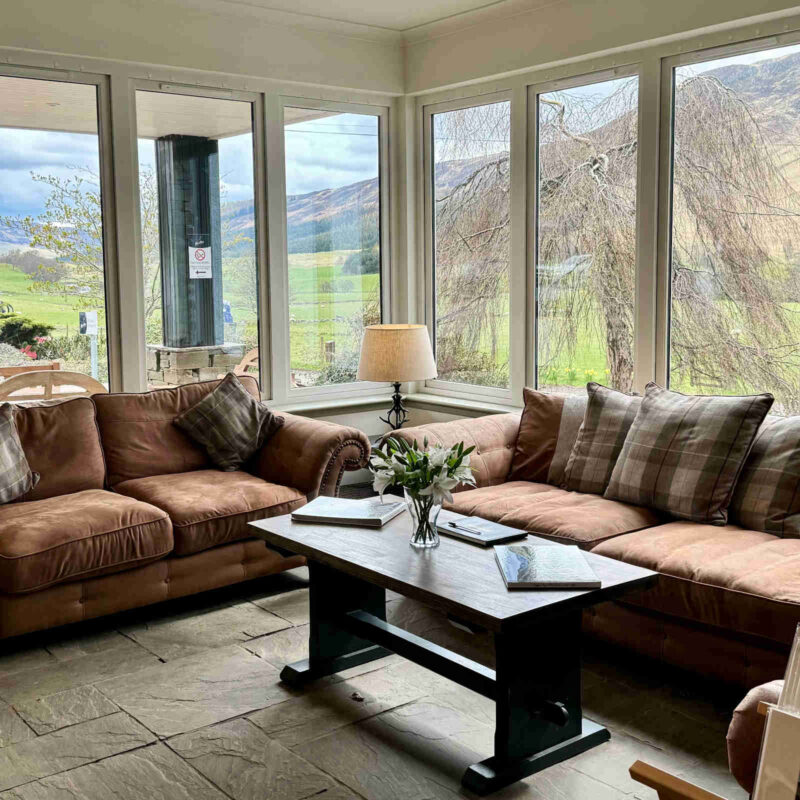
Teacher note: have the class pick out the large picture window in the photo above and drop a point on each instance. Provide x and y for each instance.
(333, 231)
(586, 235)
(735, 237)
(471, 218)
(198, 228)
(52, 263)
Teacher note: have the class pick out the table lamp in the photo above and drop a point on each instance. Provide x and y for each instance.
(396, 354)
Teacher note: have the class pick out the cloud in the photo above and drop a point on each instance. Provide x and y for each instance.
(23, 152)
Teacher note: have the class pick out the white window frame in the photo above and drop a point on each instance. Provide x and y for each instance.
(517, 295)
(107, 200)
(534, 90)
(279, 250)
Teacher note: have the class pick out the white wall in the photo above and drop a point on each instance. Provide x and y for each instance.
(246, 42)
(567, 30)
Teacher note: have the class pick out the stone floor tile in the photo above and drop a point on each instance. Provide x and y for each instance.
(65, 648)
(247, 765)
(24, 657)
(58, 676)
(712, 773)
(560, 782)
(171, 638)
(70, 748)
(46, 714)
(151, 773)
(320, 711)
(336, 793)
(281, 648)
(395, 756)
(609, 762)
(192, 692)
(12, 728)
(292, 606)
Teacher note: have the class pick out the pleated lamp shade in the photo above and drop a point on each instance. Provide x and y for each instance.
(396, 354)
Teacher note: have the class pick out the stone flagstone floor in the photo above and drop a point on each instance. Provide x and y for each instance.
(184, 701)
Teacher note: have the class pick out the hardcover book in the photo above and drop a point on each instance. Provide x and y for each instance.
(370, 512)
(545, 566)
(476, 529)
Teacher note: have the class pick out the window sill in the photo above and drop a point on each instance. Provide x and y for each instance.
(473, 408)
(331, 405)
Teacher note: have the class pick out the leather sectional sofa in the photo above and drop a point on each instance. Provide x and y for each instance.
(728, 599)
(129, 511)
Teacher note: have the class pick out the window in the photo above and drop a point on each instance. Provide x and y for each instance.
(198, 236)
(471, 221)
(735, 233)
(333, 230)
(586, 235)
(52, 266)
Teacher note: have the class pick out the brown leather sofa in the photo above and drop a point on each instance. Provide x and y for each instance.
(728, 599)
(129, 511)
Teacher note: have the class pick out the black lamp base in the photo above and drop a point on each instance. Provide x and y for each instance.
(397, 415)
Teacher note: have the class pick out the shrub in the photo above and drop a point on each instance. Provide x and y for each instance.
(364, 262)
(20, 331)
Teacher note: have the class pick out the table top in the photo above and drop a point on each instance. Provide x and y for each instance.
(456, 577)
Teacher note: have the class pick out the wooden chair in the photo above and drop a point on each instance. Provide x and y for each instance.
(7, 372)
(249, 361)
(50, 385)
(667, 786)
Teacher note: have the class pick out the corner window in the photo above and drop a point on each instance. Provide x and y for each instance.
(198, 228)
(734, 325)
(52, 263)
(470, 211)
(586, 162)
(333, 229)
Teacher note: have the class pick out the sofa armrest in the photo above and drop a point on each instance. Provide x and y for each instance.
(312, 455)
(493, 437)
(746, 731)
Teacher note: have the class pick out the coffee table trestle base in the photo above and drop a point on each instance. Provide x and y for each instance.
(536, 686)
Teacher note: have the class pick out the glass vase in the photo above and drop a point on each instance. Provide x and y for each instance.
(424, 513)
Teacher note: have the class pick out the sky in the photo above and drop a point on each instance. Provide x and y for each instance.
(321, 154)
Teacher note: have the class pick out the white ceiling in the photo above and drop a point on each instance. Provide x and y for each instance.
(395, 15)
(35, 104)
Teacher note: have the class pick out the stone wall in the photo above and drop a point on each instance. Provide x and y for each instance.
(173, 366)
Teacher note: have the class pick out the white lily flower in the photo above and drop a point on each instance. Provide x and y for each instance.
(382, 480)
(464, 474)
(440, 489)
(438, 455)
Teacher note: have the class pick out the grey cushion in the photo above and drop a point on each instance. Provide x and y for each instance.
(767, 496)
(230, 424)
(16, 477)
(683, 453)
(608, 418)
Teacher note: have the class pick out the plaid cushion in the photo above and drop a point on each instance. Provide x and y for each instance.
(608, 418)
(683, 453)
(230, 424)
(767, 496)
(16, 478)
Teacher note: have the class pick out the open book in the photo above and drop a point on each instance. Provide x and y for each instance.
(545, 566)
(369, 512)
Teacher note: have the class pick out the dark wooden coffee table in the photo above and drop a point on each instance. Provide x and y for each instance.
(536, 685)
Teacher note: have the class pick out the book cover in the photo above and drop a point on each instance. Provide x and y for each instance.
(476, 529)
(545, 566)
(369, 512)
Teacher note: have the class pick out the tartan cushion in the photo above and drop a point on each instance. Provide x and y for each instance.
(230, 424)
(16, 478)
(683, 453)
(608, 418)
(767, 496)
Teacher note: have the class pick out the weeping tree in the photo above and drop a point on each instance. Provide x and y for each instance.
(734, 327)
(471, 186)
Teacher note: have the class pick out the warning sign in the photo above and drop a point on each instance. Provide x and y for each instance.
(199, 262)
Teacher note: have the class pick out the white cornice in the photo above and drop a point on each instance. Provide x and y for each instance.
(441, 27)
